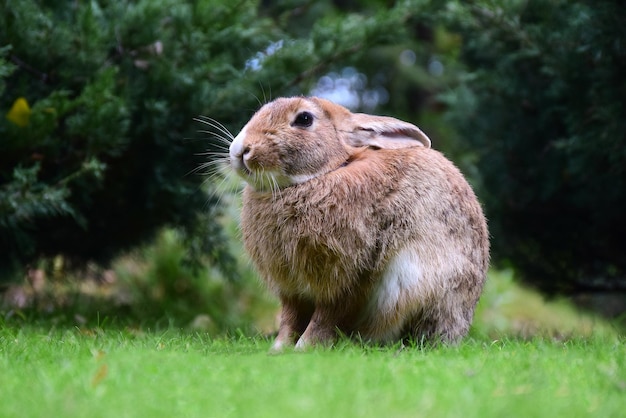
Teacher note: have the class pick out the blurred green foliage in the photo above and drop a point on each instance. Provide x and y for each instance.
(102, 161)
(542, 104)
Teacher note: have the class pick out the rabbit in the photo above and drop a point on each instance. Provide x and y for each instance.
(358, 226)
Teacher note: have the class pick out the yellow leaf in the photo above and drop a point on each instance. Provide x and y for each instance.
(102, 372)
(20, 112)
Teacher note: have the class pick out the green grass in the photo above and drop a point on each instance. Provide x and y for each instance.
(525, 357)
(125, 373)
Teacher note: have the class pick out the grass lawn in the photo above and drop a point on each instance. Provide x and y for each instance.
(525, 357)
(128, 373)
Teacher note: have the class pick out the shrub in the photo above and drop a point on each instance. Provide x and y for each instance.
(543, 105)
(100, 162)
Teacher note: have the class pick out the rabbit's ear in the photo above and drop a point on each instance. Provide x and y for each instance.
(384, 132)
(362, 130)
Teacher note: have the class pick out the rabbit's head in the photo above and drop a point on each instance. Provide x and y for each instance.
(292, 140)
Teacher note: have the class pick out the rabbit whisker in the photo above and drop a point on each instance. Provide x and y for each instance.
(212, 167)
(225, 140)
(215, 125)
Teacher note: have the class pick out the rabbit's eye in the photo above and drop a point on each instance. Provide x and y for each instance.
(303, 120)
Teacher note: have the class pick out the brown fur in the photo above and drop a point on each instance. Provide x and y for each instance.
(329, 246)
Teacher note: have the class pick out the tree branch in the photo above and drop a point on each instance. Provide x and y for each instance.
(29, 69)
(324, 64)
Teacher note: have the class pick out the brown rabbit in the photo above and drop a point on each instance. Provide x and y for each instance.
(358, 226)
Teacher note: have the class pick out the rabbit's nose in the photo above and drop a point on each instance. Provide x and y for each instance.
(246, 157)
(237, 147)
(239, 152)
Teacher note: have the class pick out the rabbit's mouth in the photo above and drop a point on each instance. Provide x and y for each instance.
(257, 176)
(259, 172)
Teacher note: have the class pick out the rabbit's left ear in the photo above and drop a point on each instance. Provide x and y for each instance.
(383, 132)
